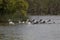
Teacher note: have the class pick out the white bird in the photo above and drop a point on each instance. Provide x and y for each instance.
(19, 21)
(29, 22)
(11, 22)
(23, 22)
(35, 20)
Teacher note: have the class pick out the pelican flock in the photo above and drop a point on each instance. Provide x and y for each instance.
(33, 21)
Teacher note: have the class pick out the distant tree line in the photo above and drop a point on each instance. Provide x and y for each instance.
(44, 7)
(20, 9)
(13, 9)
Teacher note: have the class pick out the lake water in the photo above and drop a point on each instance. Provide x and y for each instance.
(32, 31)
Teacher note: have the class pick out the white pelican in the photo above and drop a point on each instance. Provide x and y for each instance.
(11, 22)
(23, 22)
(19, 21)
(28, 22)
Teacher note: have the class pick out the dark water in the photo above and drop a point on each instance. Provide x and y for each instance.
(30, 32)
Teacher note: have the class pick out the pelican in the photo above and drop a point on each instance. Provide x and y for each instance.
(19, 21)
(35, 22)
(10, 22)
(40, 20)
(23, 22)
(49, 20)
(28, 21)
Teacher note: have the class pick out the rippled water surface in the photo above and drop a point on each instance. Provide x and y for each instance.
(32, 31)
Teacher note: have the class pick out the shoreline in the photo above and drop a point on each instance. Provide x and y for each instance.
(41, 15)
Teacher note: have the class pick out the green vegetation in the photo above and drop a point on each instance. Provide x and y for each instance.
(44, 7)
(18, 9)
(13, 9)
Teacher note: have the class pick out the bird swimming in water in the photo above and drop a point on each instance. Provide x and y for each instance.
(10, 22)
